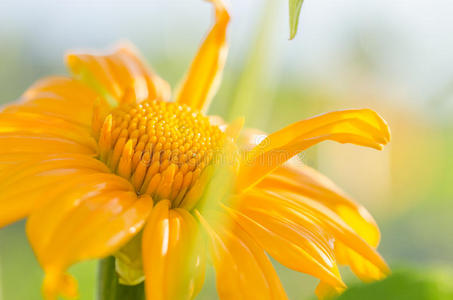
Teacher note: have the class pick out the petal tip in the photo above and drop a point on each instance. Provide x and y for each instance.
(57, 283)
(71, 60)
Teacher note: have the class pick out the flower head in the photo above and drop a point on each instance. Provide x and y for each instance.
(107, 162)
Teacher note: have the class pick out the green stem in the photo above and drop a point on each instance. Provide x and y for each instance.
(110, 289)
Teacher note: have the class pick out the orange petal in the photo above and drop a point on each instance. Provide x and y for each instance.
(57, 283)
(173, 254)
(365, 269)
(93, 217)
(342, 232)
(31, 123)
(308, 182)
(325, 291)
(301, 210)
(243, 270)
(60, 97)
(24, 181)
(41, 144)
(55, 112)
(361, 127)
(204, 75)
(302, 246)
(117, 73)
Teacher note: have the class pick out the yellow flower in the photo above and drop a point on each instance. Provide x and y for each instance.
(105, 161)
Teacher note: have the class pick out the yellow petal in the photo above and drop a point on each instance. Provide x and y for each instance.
(342, 232)
(361, 127)
(40, 124)
(308, 182)
(61, 97)
(325, 291)
(69, 198)
(304, 211)
(365, 269)
(40, 144)
(54, 116)
(92, 218)
(304, 246)
(173, 254)
(9, 161)
(204, 75)
(57, 283)
(243, 270)
(25, 181)
(50, 165)
(118, 73)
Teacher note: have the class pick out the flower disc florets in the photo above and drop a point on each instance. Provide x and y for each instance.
(161, 147)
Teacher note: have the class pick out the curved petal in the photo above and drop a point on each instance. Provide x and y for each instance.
(302, 246)
(93, 217)
(342, 232)
(367, 270)
(41, 144)
(118, 73)
(308, 182)
(39, 124)
(173, 254)
(55, 111)
(327, 292)
(24, 180)
(59, 97)
(243, 269)
(300, 210)
(361, 127)
(204, 75)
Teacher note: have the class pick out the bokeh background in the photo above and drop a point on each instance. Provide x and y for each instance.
(395, 57)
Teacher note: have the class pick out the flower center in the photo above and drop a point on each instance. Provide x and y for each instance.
(161, 147)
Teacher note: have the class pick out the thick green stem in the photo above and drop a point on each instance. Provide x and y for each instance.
(110, 289)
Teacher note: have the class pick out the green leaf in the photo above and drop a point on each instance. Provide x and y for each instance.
(406, 284)
(294, 13)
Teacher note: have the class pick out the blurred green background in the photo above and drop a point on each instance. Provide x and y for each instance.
(395, 57)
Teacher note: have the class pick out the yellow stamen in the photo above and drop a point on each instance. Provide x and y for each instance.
(124, 166)
(105, 139)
